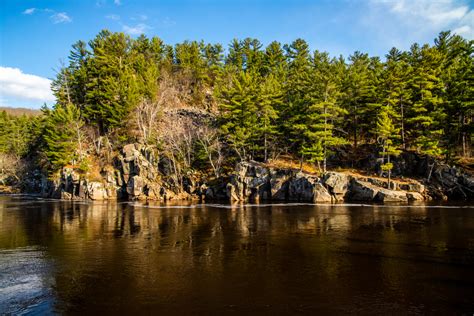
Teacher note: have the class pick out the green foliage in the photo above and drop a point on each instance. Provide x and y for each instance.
(238, 108)
(16, 133)
(324, 112)
(272, 100)
(426, 112)
(387, 135)
(62, 133)
(298, 101)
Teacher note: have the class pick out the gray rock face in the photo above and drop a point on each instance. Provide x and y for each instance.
(279, 185)
(321, 194)
(96, 191)
(135, 187)
(252, 182)
(451, 182)
(338, 184)
(413, 187)
(363, 191)
(301, 188)
(138, 173)
(385, 195)
(415, 196)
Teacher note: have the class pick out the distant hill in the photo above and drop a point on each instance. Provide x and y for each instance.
(20, 111)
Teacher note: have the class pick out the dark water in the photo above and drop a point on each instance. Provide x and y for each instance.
(77, 258)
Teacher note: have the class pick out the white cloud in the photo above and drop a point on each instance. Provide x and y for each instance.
(428, 15)
(465, 31)
(136, 30)
(140, 17)
(438, 12)
(60, 17)
(114, 17)
(117, 2)
(18, 86)
(56, 17)
(29, 11)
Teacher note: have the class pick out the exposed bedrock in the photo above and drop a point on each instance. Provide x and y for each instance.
(138, 173)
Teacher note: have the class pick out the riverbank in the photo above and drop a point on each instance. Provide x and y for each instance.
(138, 173)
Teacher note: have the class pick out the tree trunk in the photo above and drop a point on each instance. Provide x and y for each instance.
(430, 170)
(389, 171)
(402, 118)
(265, 147)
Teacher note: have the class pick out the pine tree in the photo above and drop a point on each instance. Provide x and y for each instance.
(62, 135)
(324, 112)
(427, 113)
(112, 90)
(274, 61)
(270, 95)
(297, 99)
(387, 136)
(396, 85)
(238, 104)
(235, 57)
(458, 96)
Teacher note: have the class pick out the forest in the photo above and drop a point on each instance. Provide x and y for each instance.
(206, 107)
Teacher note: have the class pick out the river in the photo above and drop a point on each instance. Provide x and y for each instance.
(82, 257)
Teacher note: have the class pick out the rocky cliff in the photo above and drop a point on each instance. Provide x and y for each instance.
(255, 182)
(139, 174)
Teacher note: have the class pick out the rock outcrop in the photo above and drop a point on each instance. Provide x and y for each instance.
(138, 173)
(253, 181)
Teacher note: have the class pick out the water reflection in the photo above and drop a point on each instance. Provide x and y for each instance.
(188, 259)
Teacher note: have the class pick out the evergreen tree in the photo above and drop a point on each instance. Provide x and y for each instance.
(396, 84)
(324, 112)
(361, 95)
(270, 95)
(274, 61)
(458, 94)
(427, 114)
(293, 116)
(238, 104)
(112, 90)
(387, 136)
(62, 135)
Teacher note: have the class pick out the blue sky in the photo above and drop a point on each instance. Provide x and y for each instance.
(35, 35)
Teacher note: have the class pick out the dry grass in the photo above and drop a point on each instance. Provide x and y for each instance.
(467, 163)
(287, 162)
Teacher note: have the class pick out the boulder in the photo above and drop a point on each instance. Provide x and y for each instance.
(301, 188)
(279, 185)
(66, 195)
(130, 152)
(386, 195)
(337, 184)
(414, 196)
(153, 191)
(362, 191)
(413, 187)
(321, 194)
(135, 186)
(96, 191)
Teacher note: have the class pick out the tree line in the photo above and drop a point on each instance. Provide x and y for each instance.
(262, 102)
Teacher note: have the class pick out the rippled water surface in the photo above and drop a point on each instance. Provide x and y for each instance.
(76, 258)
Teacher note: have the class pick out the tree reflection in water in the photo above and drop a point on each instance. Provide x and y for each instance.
(132, 257)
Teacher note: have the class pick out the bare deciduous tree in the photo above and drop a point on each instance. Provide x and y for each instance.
(208, 138)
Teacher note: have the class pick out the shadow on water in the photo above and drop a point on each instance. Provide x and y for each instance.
(79, 257)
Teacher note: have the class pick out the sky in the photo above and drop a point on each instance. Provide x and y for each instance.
(36, 35)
